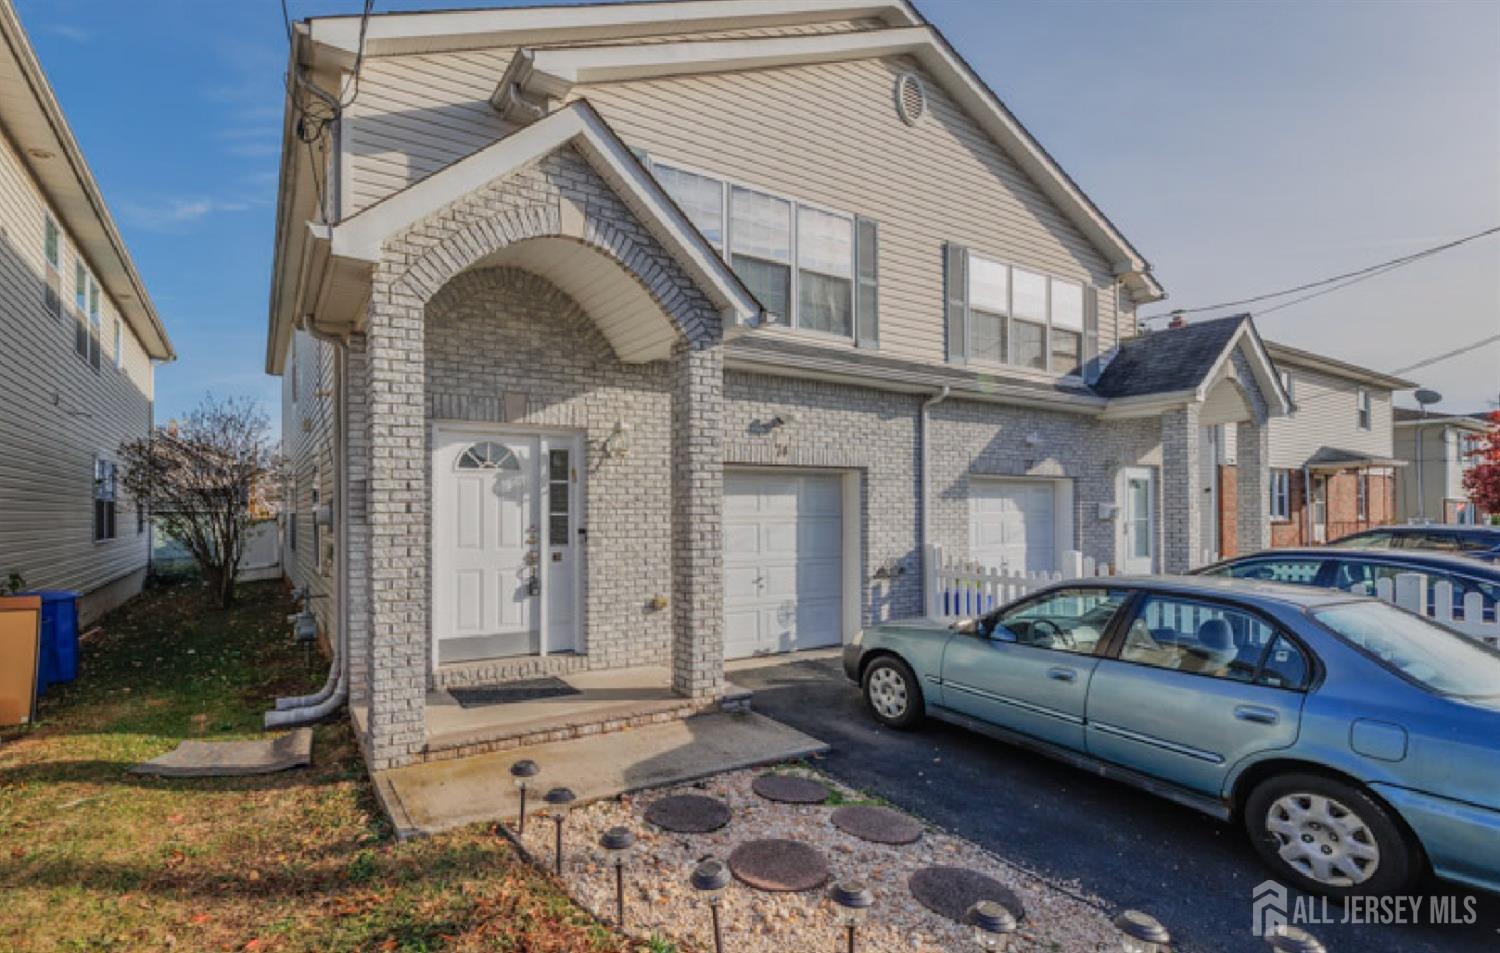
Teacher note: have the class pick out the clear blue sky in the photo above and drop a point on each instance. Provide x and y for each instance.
(1243, 147)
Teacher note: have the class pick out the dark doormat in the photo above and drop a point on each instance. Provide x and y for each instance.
(526, 690)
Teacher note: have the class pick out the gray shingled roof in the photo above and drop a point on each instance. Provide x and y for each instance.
(1164, 362)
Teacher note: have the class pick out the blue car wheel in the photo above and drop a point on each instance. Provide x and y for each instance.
(1328, 837)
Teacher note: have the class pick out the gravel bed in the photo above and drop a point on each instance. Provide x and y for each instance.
(659, 900)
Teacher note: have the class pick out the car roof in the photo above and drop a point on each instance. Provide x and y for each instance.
(1432, 559)
(1449, 529)
(1224, 586)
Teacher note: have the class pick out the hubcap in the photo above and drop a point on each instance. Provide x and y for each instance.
(1323, 839)
(887, 692)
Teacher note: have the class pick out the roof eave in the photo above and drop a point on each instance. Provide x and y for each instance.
(1283, 353)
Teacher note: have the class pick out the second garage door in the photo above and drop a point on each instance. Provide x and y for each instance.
(1013, 523)
(783, 566)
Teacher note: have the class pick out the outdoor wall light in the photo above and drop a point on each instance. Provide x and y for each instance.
(710, 879)
(1142, 933)
(854, 901)
(993, 925)
(561, 801)
(617, 842)
(1289, 939)
(617, 444)
(522, 772)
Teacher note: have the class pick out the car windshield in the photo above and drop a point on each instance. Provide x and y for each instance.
(1437, 658)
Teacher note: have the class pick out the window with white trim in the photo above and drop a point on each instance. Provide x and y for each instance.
(1362, 408)
(52, 253)
(94, 324)
(1362, 495)
(1023, 318)
(1281, 495)
(105, 491)
(119, 345)
(1291, 392)
(80, 309)
(811, 268)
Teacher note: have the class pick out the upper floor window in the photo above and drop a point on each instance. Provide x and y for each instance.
(1281, 496)
(104, 499)
(1362, 408)
(119, 345)
(85, 314)
(1002, 314)
(52, 252)
(94, 320)
(812, 269)
(1291, 391)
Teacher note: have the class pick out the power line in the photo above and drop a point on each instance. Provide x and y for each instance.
(1361, 274)
(1453, 353)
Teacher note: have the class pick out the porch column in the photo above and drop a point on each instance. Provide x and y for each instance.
(357, 514)
(397, 494)
(697, 519)
(1181, 490)
(1252, 502)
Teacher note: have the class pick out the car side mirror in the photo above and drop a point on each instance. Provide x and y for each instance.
(966, 627)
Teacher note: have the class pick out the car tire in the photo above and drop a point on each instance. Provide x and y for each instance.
(1330, 837)
(892, 693)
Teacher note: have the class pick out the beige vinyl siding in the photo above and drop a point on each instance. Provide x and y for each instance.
(1326, 417)
(59, 411)
(416, 114)
(307, 435)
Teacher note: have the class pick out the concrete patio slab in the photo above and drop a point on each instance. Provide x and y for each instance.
(436, 796)
(227, 759)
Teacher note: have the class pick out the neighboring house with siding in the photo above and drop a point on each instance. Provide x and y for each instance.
(1438, 449)
(657, 334)
(76, 372)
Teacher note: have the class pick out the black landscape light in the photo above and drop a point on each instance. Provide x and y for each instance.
(993, 925)
(711, 879)
(523, 772)
(1289, 939)
(617, 842)
(854, 901)
(1142, 933)
(561, 801)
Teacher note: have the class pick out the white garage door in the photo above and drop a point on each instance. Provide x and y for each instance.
(1013, 523)
(783, 562)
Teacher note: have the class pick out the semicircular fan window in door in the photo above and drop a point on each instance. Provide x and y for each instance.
(488, 456)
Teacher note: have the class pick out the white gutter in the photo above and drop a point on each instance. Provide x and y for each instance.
(925, 482)
(305, 709)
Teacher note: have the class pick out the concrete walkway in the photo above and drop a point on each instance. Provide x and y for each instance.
(436, 796)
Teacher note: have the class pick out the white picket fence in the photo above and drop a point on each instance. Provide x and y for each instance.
(962, 588)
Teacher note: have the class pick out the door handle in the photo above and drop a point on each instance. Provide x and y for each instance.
(1062, 674)
(1257, 714)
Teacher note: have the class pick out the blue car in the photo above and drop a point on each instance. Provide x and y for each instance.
(1479, 541)
(1358, 744)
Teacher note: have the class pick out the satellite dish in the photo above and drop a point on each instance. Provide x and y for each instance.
(1425, 396)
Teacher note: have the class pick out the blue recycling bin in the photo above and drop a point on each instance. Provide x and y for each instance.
(59, 648)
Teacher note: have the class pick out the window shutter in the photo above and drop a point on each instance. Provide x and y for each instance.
(1090, 333)
(866, 283)
(956, 301)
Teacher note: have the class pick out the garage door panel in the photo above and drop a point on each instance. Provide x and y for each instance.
(783, 562)
(1012, 523)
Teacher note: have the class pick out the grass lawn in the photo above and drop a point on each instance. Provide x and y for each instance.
(93, 858)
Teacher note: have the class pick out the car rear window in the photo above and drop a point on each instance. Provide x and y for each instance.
(1424, 652)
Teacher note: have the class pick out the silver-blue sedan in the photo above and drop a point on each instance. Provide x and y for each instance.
(1359, 744)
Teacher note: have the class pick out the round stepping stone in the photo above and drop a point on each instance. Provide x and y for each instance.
(879, 825)
(789, 789)
(688, 813)
(951, 891)
(778, 866)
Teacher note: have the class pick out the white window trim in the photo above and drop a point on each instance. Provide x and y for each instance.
(1280, 481)
(119, 343)
(1364, 409)
(1008, 365)
(1361, 496)
(101, 460)
(726, 188)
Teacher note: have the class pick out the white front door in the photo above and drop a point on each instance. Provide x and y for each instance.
(1137, 543)
(500, 501)
(1013, 524)
(783, 562)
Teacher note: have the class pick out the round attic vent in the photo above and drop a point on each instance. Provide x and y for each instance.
(911, 98)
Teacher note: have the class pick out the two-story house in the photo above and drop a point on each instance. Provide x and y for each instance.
(76, 371)
(656, 334)
(1438, 449)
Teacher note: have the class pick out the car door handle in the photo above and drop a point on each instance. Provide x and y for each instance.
(1062, 674)
(1261, 716)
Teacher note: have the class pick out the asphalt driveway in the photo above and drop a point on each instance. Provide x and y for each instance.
(1070, 827)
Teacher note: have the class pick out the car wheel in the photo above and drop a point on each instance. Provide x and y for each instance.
(892, 693)
(1329, 837)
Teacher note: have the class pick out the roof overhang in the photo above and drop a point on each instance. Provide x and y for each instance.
(1296, 357)
(1219, 394)
(1460, 421)
(337, 261)
(33, 121)
(1359, 462)
(536, 77)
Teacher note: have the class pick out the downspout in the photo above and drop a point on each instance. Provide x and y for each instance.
(305, 709)
(925, 488)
